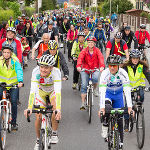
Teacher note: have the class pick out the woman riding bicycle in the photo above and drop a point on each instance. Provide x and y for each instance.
(89, 58)
(137, 71)
(11, 72)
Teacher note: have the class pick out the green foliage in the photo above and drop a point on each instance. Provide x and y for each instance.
(15, 7)
(48, 5)
(29, 2)
(5, 15)
(148, 17)
(29, 11)
(144, 14)
(122, 6)
(100, 8)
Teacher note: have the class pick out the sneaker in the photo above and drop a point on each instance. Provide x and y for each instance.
(83, 106)
(14, 127)
(37, 145)
(61, 45)
(95, 93)
(74, 86)
(54, 139)
(126, 126)
(104, 133)
(121, 146)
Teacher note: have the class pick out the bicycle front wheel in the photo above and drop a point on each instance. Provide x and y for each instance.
(90, 104)
(140, 128)
(64, 47)
(3, 129)
(116, 139)
(42, 139)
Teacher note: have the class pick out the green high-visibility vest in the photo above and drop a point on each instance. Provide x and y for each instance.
(136, 79)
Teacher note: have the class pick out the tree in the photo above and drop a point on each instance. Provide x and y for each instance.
(48, 5)
(122, 6)
(29, 2)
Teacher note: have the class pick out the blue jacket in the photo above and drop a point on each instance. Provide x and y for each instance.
(114, 17)
(91, 26)
(100, 34)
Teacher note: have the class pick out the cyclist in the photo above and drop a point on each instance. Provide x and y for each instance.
(87, 33)
(137, 71)
(142, 35)
(108, 28)
(117, 46)
(60, 61)
(78, 45)
(89, 58)
(11, 40)
(3, 31)
(91, 25)
(46, 80)
(128, 36)
(113, 82)
(100, 36)
(11, 72)
(41, 45)
(71, 36)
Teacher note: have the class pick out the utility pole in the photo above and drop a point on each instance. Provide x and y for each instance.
(110, 8)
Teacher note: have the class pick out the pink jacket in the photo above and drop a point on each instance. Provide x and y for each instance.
(72, 35)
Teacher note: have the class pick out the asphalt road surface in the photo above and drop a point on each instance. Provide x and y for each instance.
(74, 131)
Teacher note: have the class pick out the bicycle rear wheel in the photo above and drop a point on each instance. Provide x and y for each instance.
(90, 104)
(140, 128)
(3, 129)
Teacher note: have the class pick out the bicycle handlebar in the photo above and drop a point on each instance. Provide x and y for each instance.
(89, 70)
(4, 85)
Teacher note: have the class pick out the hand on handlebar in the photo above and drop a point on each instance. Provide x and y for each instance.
(79, 69)
(20, 84)
(101, 69)
(57, 114)
(27, 112)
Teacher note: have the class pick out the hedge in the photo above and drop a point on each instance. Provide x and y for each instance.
(5, 15)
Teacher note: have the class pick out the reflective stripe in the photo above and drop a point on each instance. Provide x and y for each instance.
(57, 80)
(8, 78)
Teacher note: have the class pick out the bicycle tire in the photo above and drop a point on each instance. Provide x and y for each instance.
(64, 47)
(2, 129)
(131, 125)
(79, 83)
(9, 121)
(140, 139)
(116, 139)
(109, 136)
(42, 140)
(90, 105)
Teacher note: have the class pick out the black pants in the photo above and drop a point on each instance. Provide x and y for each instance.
(75, 73)
(69, 49)
(108, 106)
(30, 41)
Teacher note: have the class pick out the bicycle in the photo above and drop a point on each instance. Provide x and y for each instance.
(46, 129)
(64, 42)
(5, 113)
(139, 116)
(90, 89)
(113, 130)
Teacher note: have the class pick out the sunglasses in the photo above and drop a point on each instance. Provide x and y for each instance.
(114, 66)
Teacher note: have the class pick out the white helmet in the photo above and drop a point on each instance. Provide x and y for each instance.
(11, 29)
(47, 60)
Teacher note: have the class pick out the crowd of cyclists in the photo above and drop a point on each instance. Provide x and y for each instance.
(89, 44)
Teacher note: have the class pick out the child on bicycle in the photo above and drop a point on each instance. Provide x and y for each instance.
(113, 82)
(137, 71)
(46, 80)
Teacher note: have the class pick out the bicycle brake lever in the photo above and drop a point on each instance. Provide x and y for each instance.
(28, 117)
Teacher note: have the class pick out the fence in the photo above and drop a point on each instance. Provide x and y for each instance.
(133, 21)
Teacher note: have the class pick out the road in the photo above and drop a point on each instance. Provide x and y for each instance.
(74, 131)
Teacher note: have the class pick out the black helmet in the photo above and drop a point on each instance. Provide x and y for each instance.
(114, 59)
(7, 46)
(118, 35)
(135, 53)
(127, 28)
(143, 26)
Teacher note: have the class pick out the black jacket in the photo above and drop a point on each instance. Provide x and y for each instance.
(64, 27)
(54, 32)
(29, 33)
(129, 39)
(62, 62)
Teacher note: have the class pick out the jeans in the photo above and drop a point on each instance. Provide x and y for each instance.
(99, 44)
(114, 23)
(14, 97)
(85, 80)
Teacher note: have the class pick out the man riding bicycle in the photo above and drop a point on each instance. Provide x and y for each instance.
(11, 72)
(89, 58)
(117, 46)
(46, 80)
(113, 82)
(137, 71)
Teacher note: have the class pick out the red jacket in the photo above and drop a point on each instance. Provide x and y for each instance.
(3, 33)
(19, 50)
(141, 36)
(90, 62)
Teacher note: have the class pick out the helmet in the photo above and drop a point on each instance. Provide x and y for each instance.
(11, 29)
(81, 34)
(135, 53)
(114, 59)
(50, 22)
(7, 46)
(143, 26)
(127, 28)
(47, 60)
(101, 18)
(118, 35)
(52, 44)
(91, 38)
